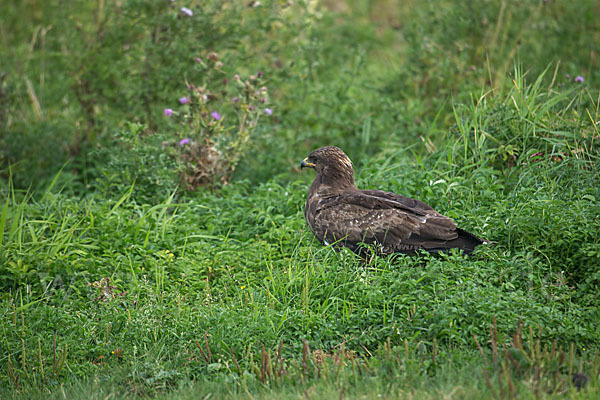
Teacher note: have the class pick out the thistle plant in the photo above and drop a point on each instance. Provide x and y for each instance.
(214, 122)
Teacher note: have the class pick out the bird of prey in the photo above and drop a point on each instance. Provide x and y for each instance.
(339, 214)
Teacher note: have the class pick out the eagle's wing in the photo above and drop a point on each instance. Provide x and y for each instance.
(396, 223)
(410, 204)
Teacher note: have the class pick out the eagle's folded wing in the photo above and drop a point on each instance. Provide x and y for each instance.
(413, 205)
(357, 217)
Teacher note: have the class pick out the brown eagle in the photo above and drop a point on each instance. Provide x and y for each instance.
(340, 214)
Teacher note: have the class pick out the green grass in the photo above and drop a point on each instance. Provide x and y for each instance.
(118, 283)
(241, 267)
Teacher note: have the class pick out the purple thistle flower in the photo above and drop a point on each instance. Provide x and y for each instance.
(579, 79)
(268, 111)
(198, 60)
(259, 74)
(187, 11)
(215, 115)
(183, 100)
(251, 107)
(183, 142)
(235, 99)
(168, 112)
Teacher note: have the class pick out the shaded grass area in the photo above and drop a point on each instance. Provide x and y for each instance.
(363, 75)
(396, 373)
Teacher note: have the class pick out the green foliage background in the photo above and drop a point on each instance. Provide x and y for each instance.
(473, 107)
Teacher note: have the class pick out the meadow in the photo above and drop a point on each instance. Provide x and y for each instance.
(152, 233)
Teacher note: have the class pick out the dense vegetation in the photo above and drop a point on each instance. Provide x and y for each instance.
(152, 237)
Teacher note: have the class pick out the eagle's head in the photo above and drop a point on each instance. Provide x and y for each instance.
(332, 166)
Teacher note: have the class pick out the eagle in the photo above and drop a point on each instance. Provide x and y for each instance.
(340, 214)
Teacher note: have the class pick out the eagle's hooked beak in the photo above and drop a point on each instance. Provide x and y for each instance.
(307, 164)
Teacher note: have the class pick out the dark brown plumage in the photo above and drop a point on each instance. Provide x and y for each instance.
(340, 214)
